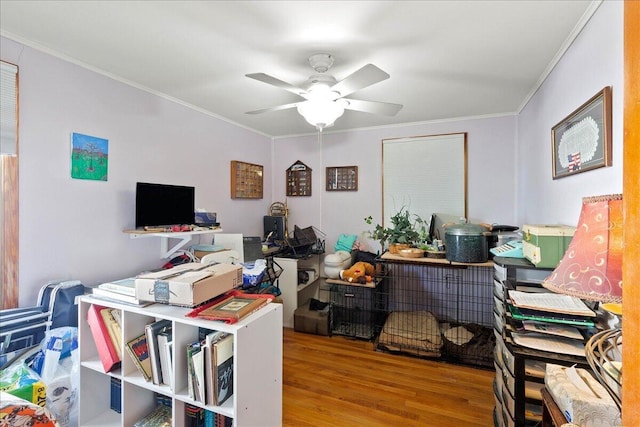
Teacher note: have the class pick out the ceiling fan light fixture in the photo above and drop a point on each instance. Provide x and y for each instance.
(321, 113)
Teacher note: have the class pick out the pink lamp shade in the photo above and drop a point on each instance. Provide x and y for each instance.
(591, 268)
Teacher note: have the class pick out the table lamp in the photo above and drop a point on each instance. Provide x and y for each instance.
(591, 268)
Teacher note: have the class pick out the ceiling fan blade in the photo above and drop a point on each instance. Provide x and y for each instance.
(383, 108)
(265, 78)
(278, 108)
(365, 76)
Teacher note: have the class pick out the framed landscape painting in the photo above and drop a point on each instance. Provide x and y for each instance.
(89, 157)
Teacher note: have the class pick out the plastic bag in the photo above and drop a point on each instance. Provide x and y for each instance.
(252, 272)
(58, 365)
(21, 381)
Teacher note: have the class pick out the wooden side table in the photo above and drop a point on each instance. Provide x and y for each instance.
(552, 416)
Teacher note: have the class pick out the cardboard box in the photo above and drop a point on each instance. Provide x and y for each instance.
(311, 321)
(582, 399)
(188, 285)
(545, 245)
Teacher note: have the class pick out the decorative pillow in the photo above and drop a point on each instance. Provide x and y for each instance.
(345, 242)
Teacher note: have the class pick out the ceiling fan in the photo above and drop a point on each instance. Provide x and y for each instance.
(324, 96)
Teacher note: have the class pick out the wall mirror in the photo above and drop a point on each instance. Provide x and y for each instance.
(426, 175)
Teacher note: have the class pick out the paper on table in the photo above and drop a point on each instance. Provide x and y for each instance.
(555, 303)
(550, 344)
(552, 329)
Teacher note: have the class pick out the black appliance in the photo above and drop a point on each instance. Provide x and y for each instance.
(164, 205)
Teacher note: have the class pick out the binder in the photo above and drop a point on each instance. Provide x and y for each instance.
(545, 316)
(151, 331)
(106, 349)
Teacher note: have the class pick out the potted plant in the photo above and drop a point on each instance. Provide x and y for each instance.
(401, 233)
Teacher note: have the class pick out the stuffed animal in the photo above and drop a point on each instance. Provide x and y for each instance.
(360, 272)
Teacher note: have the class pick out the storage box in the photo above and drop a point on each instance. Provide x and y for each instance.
(188, 285)
(311, 321)
(582, 399)
(545, 245)
(200, 251)
(206, 219)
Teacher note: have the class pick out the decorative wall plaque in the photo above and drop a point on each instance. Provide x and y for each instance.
(299, 179)
(342, 178)
(246, 180)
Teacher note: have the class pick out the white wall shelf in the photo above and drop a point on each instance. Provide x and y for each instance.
(257, 379)
(183, 238)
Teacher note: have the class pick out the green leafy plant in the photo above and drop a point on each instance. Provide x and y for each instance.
(402, 229)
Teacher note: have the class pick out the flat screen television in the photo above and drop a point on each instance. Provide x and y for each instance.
(164, 205)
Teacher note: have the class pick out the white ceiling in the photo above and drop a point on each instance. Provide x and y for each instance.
(447, 59)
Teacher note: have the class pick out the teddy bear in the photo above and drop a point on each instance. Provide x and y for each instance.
(360, 272)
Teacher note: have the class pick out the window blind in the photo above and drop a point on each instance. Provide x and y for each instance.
(426, 175)
(8, 108)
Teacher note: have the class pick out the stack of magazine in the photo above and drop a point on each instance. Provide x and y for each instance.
(123, 290)
(551, 322)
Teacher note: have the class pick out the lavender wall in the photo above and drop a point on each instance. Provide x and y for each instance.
(491, 171)
(74, 228)
(594, 60)
(509, 157)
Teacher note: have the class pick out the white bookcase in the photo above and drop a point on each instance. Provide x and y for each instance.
(257, 381)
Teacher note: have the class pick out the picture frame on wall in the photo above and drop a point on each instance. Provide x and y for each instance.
(246, 180)
(89, 157)
(582, 141)
(342, 178)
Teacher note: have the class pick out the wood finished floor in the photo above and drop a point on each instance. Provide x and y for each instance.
(337, 381)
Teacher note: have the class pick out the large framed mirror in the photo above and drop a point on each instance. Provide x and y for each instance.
(426, 175)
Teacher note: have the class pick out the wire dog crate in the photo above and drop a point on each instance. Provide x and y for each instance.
(440, 310)
(358, 310)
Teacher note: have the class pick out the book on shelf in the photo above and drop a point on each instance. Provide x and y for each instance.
(214, 419)
(123, 286)
(222, 420)
(557, 329)
(207, 345)
(549, 343)
(152, 330)
(118, 297)
(551, 302)
(198, 368)
(100, 332)
(194, 357)
(159, 417)
(231, 307)
(113, 326)
(193, 415)
(165, 346)
(116, 395)
(222, 363)
(139, 352)
(545, 316)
